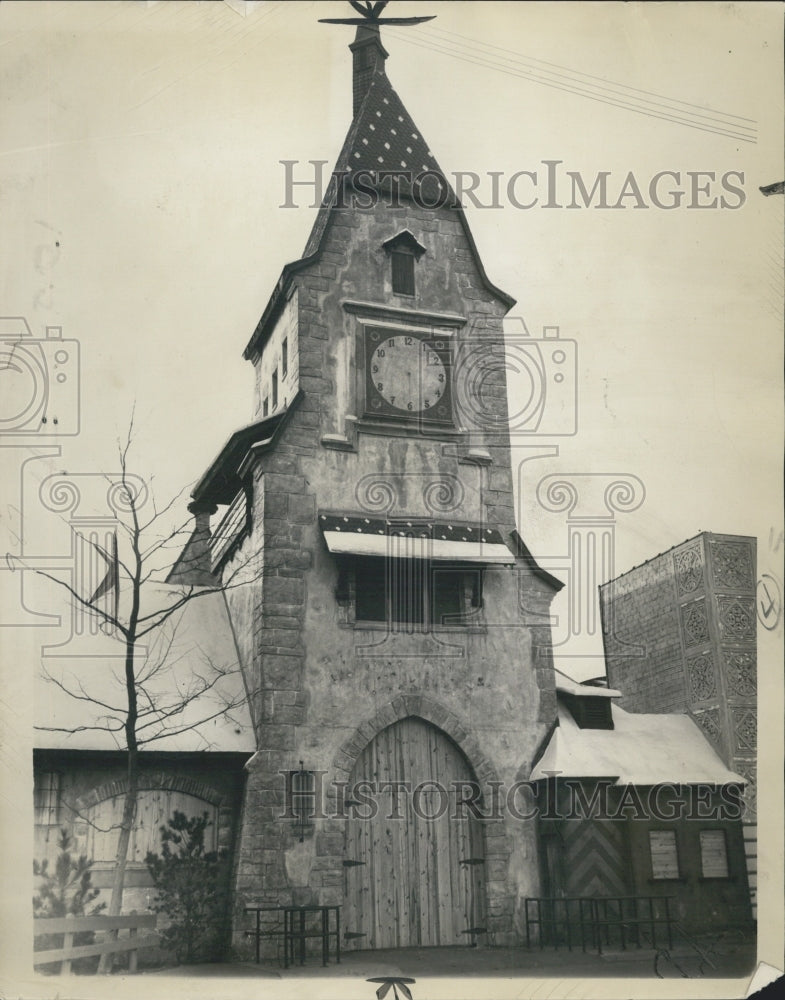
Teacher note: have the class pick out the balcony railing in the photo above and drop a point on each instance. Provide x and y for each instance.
(229, 529)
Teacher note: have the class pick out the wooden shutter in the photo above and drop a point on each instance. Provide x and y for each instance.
(402, 273)
(714, 854)
(664, 854)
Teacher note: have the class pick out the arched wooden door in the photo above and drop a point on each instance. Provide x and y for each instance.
(414, 871)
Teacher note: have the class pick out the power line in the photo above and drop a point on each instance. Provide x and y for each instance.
(614, 99)
(532, 76)
(606, 83)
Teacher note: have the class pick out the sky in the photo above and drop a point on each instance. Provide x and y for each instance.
(142, 190)
(141, 187)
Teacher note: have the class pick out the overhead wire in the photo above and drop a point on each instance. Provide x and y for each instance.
(466, 54)
(573, 72)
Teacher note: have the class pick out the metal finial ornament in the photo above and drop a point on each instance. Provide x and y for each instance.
(371, 15)
(396, 982)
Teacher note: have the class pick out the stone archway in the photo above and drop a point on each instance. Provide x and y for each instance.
(414, 859)
(415, 871)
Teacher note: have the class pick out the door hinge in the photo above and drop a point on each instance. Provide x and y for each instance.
(348, 863)
(472, 861)
(475, 930)
(350, 935)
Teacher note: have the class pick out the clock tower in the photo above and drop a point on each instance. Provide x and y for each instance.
(396, 642)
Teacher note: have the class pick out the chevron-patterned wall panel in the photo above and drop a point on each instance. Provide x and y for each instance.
(595, 862)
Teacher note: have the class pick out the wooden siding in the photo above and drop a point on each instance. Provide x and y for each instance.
(154, 808)
(408, 880)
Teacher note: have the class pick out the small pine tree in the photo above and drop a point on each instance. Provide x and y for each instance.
(65, 892)
(192, 890)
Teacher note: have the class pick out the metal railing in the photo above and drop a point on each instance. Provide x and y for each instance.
(598, 922)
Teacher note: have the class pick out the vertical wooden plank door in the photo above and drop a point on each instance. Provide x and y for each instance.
(413, 863)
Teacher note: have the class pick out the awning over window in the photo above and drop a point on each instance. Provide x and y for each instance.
(353, 534)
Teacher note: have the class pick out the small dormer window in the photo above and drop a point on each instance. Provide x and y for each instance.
(589, 712)
(284, 357)
(275, 390)
(404, 251)
(402, 273)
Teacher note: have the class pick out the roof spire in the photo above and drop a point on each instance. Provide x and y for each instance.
(368, 59)
(367, 49)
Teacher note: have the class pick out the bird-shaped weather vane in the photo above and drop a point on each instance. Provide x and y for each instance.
(371, 15)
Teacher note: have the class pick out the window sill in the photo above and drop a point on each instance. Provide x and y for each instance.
(434, 629)
(717, 878)
(680, 880)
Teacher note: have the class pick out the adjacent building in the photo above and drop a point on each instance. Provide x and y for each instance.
(680, 636)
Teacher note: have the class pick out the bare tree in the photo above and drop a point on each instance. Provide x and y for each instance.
(147, 706)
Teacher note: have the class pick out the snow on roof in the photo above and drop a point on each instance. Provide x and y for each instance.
(640, 750)
(191, 663)
(569, 686)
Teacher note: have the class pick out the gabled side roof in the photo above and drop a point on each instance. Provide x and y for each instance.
(639, 750)
(221, 483)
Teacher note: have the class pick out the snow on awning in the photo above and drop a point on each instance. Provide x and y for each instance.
(354, 534)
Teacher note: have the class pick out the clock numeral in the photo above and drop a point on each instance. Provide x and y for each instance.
(427, 403)
(409, 406)
(391, 342)
(438, 393)
(375, 369)
(380, 353)
(379, 386)
(408, 341)
(441, 377)
(392, 400)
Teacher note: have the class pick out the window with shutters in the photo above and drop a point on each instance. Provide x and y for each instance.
(714, 854)
(402, 273)
(414, 594)
(664, 854)
(404, 251)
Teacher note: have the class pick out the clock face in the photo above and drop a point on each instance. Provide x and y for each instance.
(407, 375)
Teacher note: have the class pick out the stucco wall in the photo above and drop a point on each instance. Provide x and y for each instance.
(323, 693)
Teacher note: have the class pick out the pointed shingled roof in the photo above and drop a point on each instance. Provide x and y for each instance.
(382, 137)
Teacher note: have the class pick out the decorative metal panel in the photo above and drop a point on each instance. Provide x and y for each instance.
(737, 618)
(741, 671)
(732, 566)
(745, 726)
(702, 677)
(694, 623)
(689, 569)
(709, 721)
